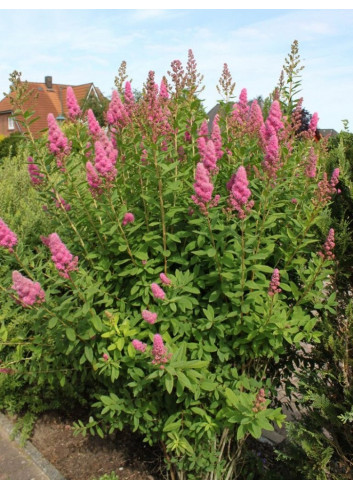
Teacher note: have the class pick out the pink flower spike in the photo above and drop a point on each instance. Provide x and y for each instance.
(210, 159)
(117, 113)
(217, 138)
(335, 179)
(29, 292)
(165, 280)
(310, 170)
(6, 371)
(105, 357)
(157, 292)
(313, 124)
(72, 105)
(203, 131)
(94, 181)
(163, 92)
(58, 143)
(159, 351)
(240, 193)
(104, 164)
(62, 258)
(328, 246)
(8, 239)
(274, 118)
(139, 346)
(62, 204)
(150, 317)
(255, 121)
(129, 217)
(201, 146)
(129, 98)
(241, 109)
(271, 161)
(93, 125)
(203, 187)
(35, 175)
(273, 288)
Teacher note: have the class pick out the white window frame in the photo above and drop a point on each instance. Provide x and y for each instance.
(11, 124)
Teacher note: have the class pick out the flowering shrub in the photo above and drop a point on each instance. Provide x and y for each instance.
(200, 243)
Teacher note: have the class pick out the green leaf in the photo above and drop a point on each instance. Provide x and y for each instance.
(172, 426)
(241, 432)
(191, 364)
(295, 290)
(184, 303)
(211, 252)
(99, 432)
(199, 411)
(70, 333)
(89, 353)
(262, 268)
(120, 344)
(231, 397)
(254, 430)
(209, 312)
(97, 323)
(169, 382)
(207, 385)
(141, 255)
(185, 382)
(53, 321)
(214, 295)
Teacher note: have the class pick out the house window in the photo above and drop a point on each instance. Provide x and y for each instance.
(11, 124)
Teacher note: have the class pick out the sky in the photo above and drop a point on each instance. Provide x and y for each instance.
(77, 46)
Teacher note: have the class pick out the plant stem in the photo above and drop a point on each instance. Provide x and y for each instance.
(23, 266)
(86, 210)
(122, 232)
(214, 247)
(242, 282)
(161, 206)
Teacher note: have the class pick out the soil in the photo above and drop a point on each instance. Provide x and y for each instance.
(91, 457)
(124, 454)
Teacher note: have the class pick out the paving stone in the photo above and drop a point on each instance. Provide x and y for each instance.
(15, 463)
(22, 463)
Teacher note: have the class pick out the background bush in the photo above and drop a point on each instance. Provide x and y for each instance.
(9, 145)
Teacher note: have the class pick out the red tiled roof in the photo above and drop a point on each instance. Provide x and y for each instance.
(48, 101)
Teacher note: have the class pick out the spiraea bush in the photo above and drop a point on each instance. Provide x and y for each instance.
(182, 268)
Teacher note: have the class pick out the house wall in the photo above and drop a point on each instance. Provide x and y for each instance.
(4, 125)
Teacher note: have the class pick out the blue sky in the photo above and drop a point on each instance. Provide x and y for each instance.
(80, 46)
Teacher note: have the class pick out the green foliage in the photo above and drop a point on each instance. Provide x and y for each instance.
(109, 477)
(340, 155)
(98, 105)
(322, 440)
(9, 146)
(20, 206)
(225, 335)
(290, 80)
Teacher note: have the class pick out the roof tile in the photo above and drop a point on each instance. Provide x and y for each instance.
(45, 101)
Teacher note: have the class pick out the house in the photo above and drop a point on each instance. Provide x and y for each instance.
(323, 133)
(46, 98)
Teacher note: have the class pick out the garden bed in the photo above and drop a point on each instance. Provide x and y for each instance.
(90, 457)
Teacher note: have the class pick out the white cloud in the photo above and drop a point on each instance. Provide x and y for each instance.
(82, 46)
(146, 15)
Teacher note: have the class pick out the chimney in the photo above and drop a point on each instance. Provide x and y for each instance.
(48, 80)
